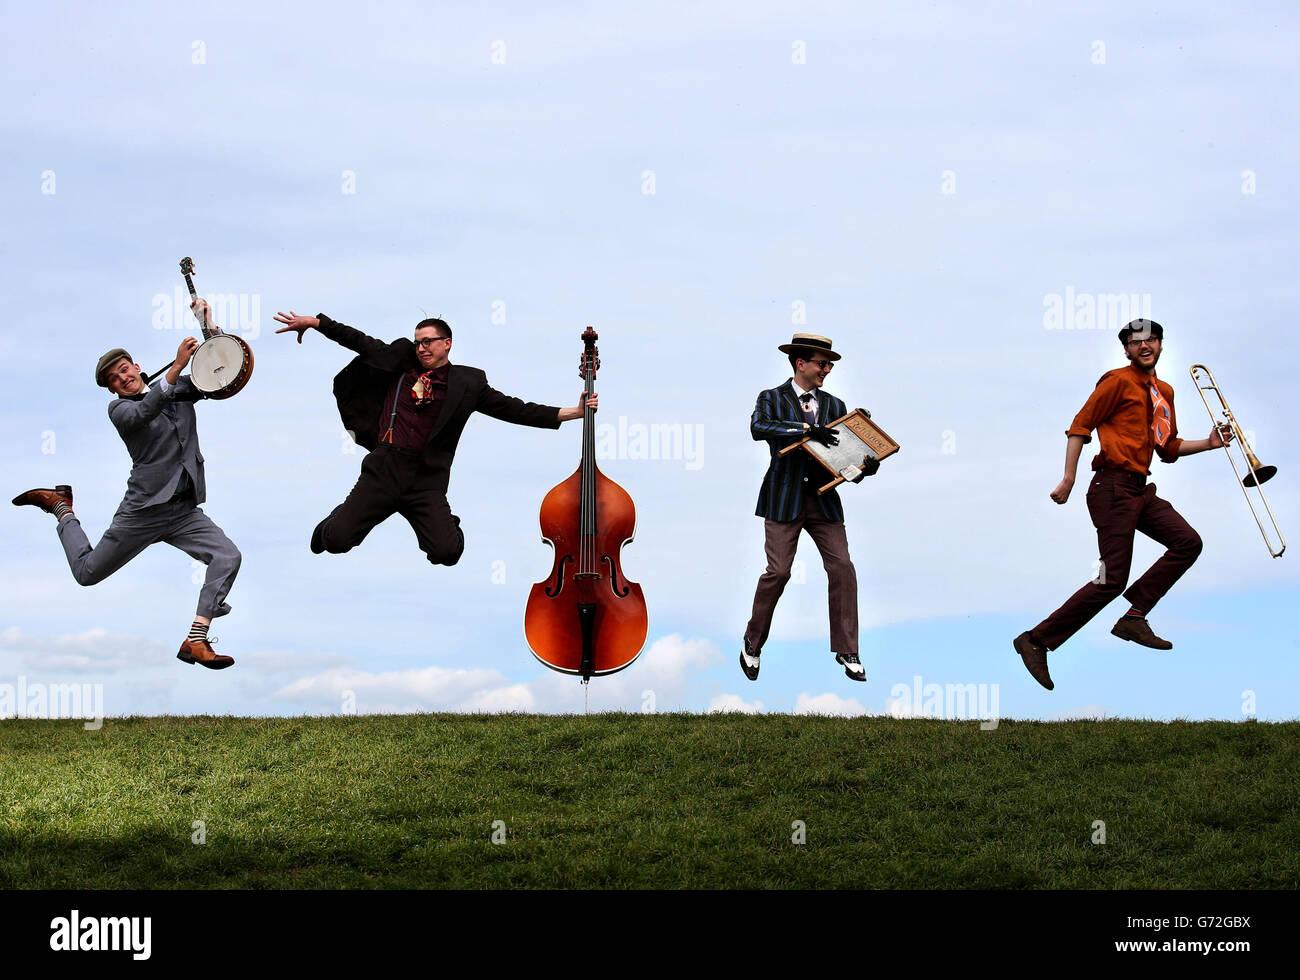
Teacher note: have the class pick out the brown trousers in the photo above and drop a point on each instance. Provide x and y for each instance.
(782, 538)
(1121, 503)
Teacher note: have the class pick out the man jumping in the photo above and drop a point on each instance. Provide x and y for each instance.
(163, 492)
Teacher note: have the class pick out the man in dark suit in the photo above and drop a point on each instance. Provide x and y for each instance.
(163, 492)
(789, 503)
(408, 404)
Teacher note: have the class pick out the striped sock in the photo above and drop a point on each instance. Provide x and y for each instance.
(1135, 613)
(198, 632)
(62, 510)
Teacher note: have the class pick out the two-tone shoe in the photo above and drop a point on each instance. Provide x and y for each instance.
(201, 652)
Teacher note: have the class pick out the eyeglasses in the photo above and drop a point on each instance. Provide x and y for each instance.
(824, 365)
(1139, 343)
(429, 341)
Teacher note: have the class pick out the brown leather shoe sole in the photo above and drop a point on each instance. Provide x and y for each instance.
(1035, 658)
(218, 661)
(1139, 631)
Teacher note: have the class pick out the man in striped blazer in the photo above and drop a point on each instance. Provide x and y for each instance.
(789, 503)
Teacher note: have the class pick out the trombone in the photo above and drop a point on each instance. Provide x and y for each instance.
(1256, 473)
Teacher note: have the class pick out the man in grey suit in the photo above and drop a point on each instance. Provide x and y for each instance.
(163, 492)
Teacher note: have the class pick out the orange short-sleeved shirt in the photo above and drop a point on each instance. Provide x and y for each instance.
(1120, 409)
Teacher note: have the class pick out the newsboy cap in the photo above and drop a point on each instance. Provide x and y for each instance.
(106, 362)
(1143, 328)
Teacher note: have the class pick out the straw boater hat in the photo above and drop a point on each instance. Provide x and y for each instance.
(809, 341)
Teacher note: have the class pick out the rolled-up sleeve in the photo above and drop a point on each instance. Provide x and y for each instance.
(1101, 404)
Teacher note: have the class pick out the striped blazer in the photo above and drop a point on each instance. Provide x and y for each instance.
(778, 419)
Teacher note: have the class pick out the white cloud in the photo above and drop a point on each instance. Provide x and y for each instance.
(664, 672)
(1094, 712)
(94, 649)
(516, 697)
(904, 708)
(287, 661)
(828, 704)
(734, 702)
(424, 689)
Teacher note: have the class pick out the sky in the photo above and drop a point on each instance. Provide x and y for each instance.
(969, 203)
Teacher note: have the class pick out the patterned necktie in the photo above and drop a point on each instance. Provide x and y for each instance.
(809, 408)
(422, 390)
(1161, 420)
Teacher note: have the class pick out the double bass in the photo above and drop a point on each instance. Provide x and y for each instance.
(586, 618)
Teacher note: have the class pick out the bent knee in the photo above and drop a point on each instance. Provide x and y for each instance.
(839, 566)
(88, 577)
(1111, 586)
(444, 556)
(780, 574)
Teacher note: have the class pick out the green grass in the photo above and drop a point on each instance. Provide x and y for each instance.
(667, 801)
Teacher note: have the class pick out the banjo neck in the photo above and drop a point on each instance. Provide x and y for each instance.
(187, 270)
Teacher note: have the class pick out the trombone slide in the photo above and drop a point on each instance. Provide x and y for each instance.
(1256, 474)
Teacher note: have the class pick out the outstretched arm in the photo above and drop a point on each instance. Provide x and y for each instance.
(340, 333)
(1217, 439)
(507, 408)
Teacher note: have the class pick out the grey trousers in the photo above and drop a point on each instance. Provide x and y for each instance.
(782, 537)
(177, 523)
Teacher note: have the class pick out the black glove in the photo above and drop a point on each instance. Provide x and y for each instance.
(827, 437)
(870, 465)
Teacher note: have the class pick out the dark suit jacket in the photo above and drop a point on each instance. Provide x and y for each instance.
(778, 419)
(162, 436)
(361, 388)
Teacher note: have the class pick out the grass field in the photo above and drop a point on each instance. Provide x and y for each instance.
(669, 801)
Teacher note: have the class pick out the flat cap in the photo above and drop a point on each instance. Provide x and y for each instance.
(106, 362)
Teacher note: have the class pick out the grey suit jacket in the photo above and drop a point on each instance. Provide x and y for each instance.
(162, 436)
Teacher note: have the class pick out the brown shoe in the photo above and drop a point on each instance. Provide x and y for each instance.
(45, 499)
(1139, 631)
(201, 652)
(1035, 658)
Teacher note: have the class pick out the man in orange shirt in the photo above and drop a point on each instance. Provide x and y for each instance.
(1133, 413)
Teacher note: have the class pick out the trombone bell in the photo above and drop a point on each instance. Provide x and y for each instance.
(1258, 474)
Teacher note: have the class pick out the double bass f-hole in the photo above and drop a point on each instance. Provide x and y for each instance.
(613, 577)
(587, 629)
(559, 576)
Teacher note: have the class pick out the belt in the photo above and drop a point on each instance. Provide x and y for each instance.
(1123, 476)
(388, 447)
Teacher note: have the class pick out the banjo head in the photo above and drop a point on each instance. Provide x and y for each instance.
(221, 366)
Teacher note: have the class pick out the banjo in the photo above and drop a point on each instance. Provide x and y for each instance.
(222, 364)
